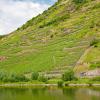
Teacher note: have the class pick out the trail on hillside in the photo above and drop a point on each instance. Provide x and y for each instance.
(80, 62)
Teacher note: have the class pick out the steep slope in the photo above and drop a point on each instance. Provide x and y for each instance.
(53, 40)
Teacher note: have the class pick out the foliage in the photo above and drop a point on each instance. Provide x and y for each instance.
(2, 76)
(96, 79)
(17, 78)
(94, 43)
(55, 21)
(35, 76)
(43, 78)
(60, 83)
(2, 36)
(68, 75)
(95, 65)
(79, 1)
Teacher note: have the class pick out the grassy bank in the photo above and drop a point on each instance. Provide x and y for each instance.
(35, 79)
(52, 82)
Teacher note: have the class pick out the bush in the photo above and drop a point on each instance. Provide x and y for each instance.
(55, 21)
(94, 43)
(21, 78)
(95, 65)
(60, 83)
(79, 1)
(68, 75)
(43, 78)
(90, 83)
(96, 79)
(35, 76)
(2, 76)
(16, 78)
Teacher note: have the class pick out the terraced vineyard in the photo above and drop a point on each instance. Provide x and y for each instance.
(54, 40)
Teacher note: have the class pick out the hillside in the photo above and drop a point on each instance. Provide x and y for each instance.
(55, 40)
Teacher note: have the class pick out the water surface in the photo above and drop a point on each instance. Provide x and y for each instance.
(50, 93)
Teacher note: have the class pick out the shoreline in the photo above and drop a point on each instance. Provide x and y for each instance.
(46, 85)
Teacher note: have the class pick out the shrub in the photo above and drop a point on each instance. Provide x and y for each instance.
(96, 79)
(95, 65)
(90, 83)
(17, 78)
(2, 76)
(12, 78)
(60, 83)
(68, 75)
(94, 43)
(21, 78)
(79, 1)
(55, 21)
(75, 78)
(5, 79)
(35, 76)
(43, 78)
(51, 36)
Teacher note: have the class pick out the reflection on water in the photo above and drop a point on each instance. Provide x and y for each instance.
(49, 94)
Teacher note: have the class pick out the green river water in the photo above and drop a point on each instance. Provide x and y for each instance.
(49, 93)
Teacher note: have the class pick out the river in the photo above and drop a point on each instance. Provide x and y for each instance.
(50, 93)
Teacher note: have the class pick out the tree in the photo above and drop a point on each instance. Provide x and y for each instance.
(68, 75)
(2, 76)
(35, 76)
(79, 1)
(94, 43)
(17, 78)
(43, 78)
(60, 83)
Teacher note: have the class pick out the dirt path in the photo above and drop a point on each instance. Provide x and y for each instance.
(84, 55)
(80, 62)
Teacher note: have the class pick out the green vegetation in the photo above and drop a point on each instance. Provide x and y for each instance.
(2, 36)
(55, 21)
(43, 79)
(68, 75)
(4, 77)
(35, 75)
(53, 41)
(60, 83)
(95, 65)
(94, 43)
(67, 78)
(96, 79)
(79, 1)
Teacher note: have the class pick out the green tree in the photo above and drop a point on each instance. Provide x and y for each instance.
(17, 78)
(79, 1)
(60, 83)
(68, 75)
(43, 78)
(94, 43)
(34, 75)
(2, 76)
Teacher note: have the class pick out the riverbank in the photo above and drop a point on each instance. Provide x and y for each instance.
(50, 93)
(45, 85)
